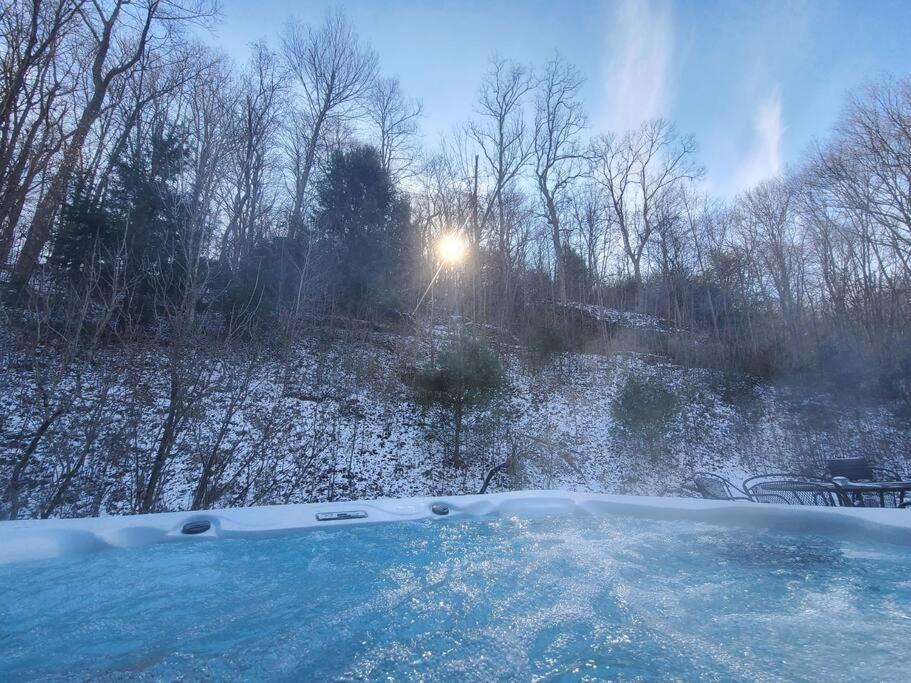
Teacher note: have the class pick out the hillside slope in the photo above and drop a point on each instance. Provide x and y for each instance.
(336, 421)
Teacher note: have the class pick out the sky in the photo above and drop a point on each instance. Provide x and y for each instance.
(755, 82)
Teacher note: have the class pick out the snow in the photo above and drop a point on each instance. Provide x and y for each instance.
(613, 316)
(335, 421)
(44, 539)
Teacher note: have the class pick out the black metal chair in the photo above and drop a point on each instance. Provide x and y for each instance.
(877, 499)
(714, 487)
(789, 489)
(859, 469)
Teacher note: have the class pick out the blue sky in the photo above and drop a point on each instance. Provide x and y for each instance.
(755, 82)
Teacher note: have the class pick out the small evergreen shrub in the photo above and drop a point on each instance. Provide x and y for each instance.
(466, 376)
(643, 412)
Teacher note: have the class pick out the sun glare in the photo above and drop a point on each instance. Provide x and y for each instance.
(453, 249)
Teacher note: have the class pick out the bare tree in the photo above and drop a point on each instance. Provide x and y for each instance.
(66, 327)
(117, 33)
(852, 202)
(395, 120)
(183, 311)
(591, 223)
(501, 135)
(36, 74)
(178, 81)
(255, 125)
(334, 73)
(226, 456)
(638, 171)
(877, 132)
(861, 274)
(501, 131)
(190, 374)
(559, 122)
(768, 218)
(72, 461)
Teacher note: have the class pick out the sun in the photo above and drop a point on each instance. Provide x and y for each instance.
(452, 248)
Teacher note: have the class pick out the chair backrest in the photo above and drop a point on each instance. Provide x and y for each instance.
(855, 469)
(750, 482)
(797, 492)
(714, 487)
(884, 474)
(878, 499)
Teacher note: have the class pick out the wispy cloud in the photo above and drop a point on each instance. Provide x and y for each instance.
(764, 159)
(640, 46)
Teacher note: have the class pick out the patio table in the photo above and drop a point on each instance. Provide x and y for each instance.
(856, 489)
(796, 492)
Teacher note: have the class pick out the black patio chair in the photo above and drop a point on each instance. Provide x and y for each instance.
(881, 499)
(780, 476)
(859, 469)
(713, 487)
(789, 489)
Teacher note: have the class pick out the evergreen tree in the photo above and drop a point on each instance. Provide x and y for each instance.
(468, 375)
(84, 239)
(579, 281)
(150, 209)
(266, 282)
(139, 227)
(363, 227)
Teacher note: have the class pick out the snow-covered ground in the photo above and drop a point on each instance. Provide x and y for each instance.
(613, 316)
(337, 421)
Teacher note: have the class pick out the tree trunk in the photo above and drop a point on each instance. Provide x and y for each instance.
(297, 210)
(12, 487)
(476, 234)
(46, 211)
(164, 446)
(554, 220)
(457, 435)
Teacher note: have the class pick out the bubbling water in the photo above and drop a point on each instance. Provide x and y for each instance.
(548, 598)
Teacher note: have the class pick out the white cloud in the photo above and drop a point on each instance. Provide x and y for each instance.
(640, 45)
(764, 159)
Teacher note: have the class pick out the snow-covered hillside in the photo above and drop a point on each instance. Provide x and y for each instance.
(336, 420)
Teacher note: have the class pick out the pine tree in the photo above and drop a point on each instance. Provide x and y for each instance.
(86, 239)
(467, 376)
(364, 228)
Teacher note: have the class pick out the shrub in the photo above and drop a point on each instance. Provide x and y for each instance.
(643, 411)
(467, 375)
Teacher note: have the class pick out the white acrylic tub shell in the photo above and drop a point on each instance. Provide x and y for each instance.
(43, 539)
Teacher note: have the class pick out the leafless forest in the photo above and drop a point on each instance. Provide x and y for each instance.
(210, 271)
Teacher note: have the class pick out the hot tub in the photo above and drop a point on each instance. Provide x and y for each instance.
(528, 585)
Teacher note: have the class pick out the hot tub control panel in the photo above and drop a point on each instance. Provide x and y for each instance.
(335, 516)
